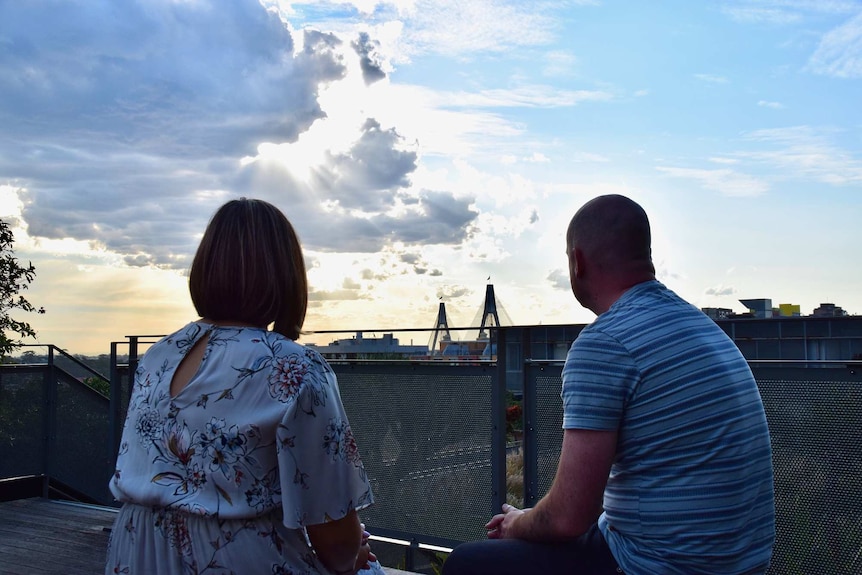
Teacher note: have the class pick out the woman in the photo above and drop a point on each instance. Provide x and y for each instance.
(237, 456)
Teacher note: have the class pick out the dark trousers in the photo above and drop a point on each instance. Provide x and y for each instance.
(587, 555)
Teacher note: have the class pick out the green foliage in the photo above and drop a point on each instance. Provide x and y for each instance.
(13, 279)
(103, 386)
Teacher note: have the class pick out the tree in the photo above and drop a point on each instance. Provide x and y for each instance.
(13, 279)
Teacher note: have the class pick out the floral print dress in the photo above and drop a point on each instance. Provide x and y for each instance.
(223, 477)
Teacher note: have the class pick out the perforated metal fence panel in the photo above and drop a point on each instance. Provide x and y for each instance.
(81, 449)
(424, 434)
(22, 422)
(815, 424)
(549, 424)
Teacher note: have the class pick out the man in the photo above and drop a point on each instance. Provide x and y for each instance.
(665, 465)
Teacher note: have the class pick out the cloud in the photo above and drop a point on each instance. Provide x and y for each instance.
(720, 290)
(558, 63)
(724, 181)
(528, 96)
(761, 15)
(534, 158)
(768, 104)
(178, 78)
(316, 296)
(368, 175)
(589, 157)
(351, 284)
(779, 154)
(712, 78)
(419, 265)
(124, 124)
(449, 293)
(802, 151)
(457, 28)
(369, 274)
(559, 279)
(130, 136)
(839, 53)
(721, 160)
(370, 60)
(537, 158)
(331, 214)
(782, 12)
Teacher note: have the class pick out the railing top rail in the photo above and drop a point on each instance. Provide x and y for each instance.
(51, 347)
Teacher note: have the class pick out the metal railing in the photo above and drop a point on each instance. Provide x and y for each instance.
(433, 439)
(53, 425)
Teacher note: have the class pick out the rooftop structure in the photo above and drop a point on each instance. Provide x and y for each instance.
(360, 347)
(761, 308)
(828, 310)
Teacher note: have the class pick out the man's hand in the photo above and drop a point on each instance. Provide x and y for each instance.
(500, 525)
(365, 556)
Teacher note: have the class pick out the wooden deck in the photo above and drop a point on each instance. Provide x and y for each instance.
(47, 537)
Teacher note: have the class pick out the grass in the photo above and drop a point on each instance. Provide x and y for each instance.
(515, 478)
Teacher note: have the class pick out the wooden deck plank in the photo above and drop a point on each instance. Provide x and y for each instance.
(45, 537)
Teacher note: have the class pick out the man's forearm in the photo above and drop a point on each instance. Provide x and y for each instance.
(536, 524)
(544, 523)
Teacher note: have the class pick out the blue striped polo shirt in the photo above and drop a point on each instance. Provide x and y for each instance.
(690, 490)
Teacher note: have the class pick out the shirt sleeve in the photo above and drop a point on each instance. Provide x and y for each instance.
(321, 474)
(598, 378)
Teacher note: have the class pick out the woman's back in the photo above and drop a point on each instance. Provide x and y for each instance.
(253, 445)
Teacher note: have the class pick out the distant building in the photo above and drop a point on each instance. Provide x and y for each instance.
(789, 310)
(717, 313)
(359, 347)
(759, 308)
(828, 310)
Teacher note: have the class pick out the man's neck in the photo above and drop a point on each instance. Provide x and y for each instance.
(614, 290)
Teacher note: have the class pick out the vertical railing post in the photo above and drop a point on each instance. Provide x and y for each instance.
(115, 420)
(529, 446)
(49, 427)
(410, 555)
(498, 426)
(133, 361)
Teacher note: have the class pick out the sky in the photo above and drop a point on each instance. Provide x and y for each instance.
(425, 148)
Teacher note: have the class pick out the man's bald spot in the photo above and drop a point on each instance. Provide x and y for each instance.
(613, 232)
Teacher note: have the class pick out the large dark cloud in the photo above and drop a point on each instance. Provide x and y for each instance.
(115, 113)
(431, 217)
(369, 174)
(125, 123)
(186, 77)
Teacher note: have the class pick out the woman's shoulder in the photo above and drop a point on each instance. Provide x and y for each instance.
(183, 337)
(267, 342)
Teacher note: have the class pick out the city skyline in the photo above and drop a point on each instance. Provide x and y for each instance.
(420, 147)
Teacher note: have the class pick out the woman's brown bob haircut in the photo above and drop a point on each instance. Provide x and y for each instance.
(249, 269)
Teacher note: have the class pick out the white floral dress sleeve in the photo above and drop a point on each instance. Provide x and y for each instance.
(321, 473)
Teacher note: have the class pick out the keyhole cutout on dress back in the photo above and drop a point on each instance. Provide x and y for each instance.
(189, 366)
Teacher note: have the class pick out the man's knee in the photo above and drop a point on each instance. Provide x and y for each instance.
(455, 562)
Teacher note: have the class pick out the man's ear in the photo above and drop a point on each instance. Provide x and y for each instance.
(578, 263)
